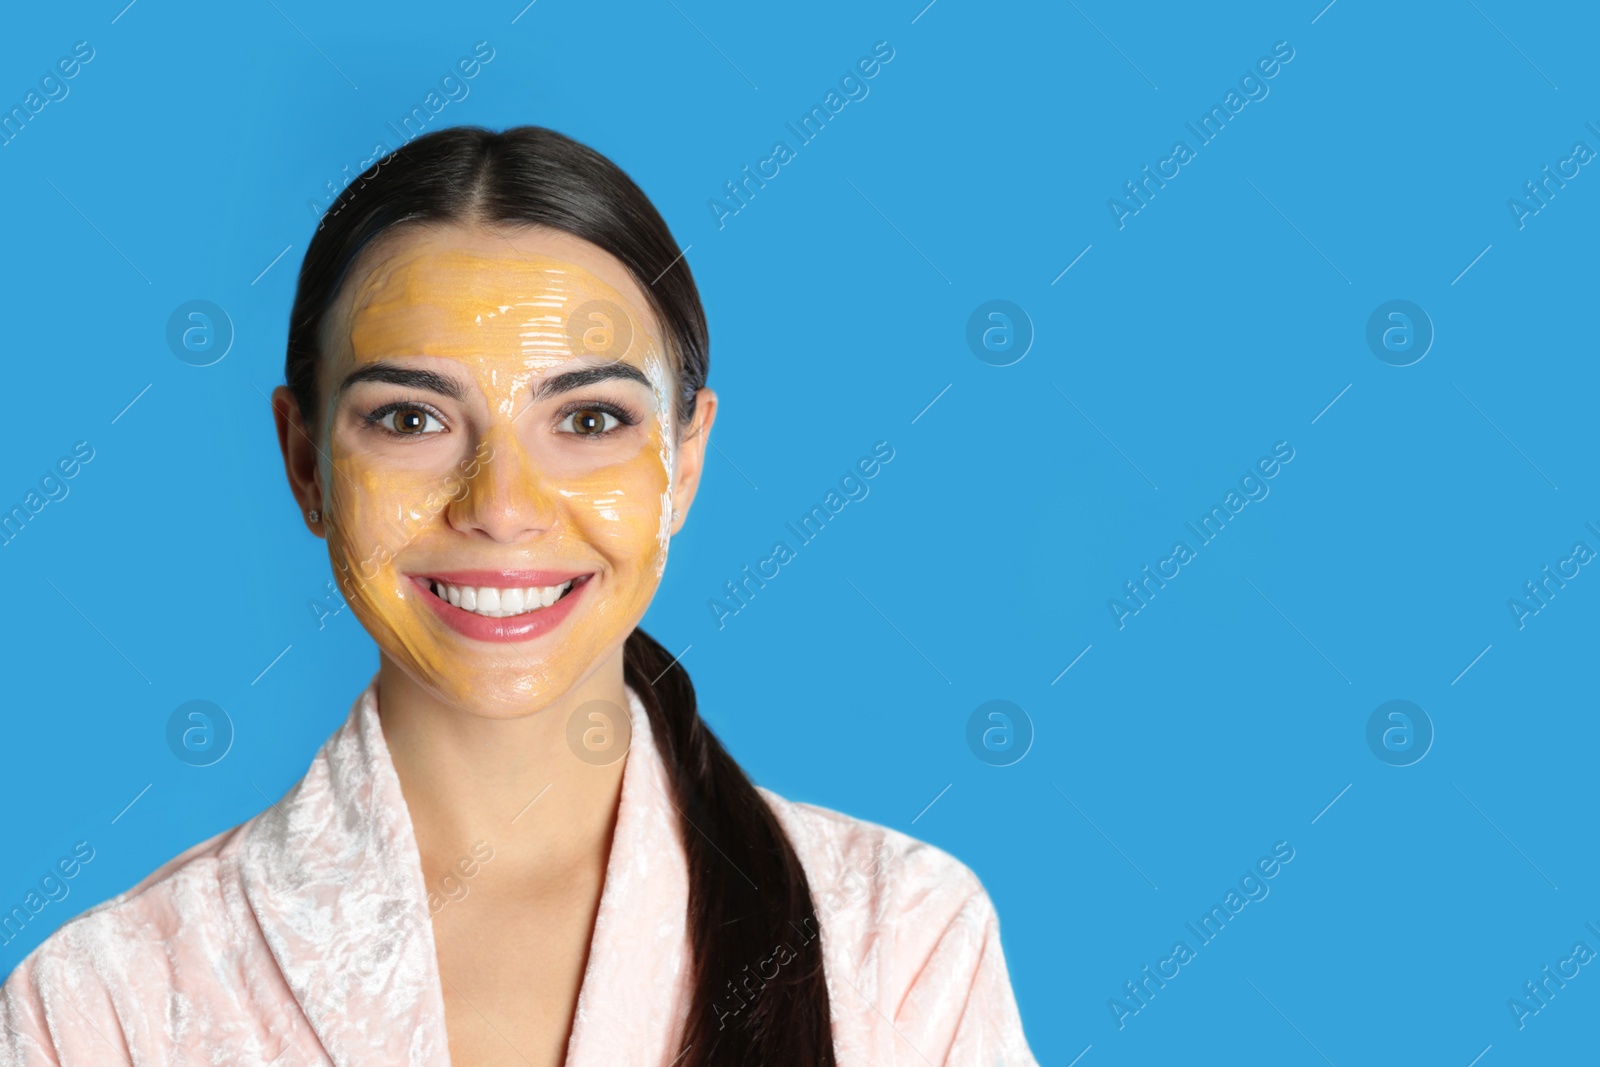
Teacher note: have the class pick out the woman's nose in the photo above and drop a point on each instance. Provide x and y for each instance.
(508, 498)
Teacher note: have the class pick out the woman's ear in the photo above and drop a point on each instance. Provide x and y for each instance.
(692, 456)
(299, 458)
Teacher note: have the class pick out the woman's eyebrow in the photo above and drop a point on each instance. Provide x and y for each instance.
(578, 379)
(390, 374)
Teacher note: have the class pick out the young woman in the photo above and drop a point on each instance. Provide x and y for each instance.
(524, 845)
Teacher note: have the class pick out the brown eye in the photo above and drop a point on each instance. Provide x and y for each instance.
(589, 421)
(410, 421)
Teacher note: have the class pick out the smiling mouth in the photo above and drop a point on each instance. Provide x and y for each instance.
(497, 603)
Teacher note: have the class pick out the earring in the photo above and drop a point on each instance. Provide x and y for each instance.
(314, 515)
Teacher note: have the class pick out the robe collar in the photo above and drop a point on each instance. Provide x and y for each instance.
(334, 878)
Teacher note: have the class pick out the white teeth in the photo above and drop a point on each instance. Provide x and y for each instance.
(499, 603)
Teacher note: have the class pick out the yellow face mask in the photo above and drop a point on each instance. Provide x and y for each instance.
(499, 459)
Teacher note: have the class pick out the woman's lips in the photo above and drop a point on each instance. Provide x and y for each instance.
(525, 626)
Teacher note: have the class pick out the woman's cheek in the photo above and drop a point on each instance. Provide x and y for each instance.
(367, 524)
(618, 520)
(618, 510)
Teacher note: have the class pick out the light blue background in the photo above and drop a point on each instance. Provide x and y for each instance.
(1223, 718)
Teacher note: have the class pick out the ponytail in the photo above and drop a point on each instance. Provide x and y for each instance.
(733, 839)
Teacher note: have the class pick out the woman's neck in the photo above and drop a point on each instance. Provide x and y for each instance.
(515, 784)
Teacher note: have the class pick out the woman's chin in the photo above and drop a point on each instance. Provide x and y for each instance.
(491, 693)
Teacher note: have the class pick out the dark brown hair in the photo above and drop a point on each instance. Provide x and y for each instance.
(747, 889)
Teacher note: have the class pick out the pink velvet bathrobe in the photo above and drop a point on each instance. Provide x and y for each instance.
(303, 936)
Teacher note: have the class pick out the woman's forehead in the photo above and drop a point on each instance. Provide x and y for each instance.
(531, 297)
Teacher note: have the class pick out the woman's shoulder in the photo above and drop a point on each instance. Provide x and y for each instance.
(136, 936)
(849, 839)
(911, 944)
(864, 875)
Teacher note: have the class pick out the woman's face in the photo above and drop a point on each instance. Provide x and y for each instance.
(498, 463)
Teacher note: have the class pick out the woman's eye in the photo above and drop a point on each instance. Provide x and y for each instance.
(411, 421)
(590, 422)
